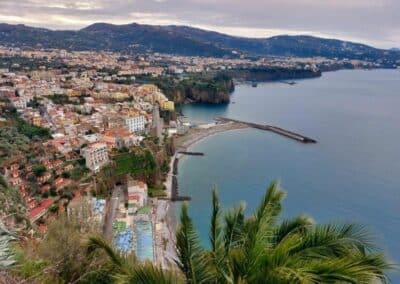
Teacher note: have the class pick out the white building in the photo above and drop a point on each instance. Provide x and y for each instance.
(96, 156)
(137, 193)
(135, 123)
(21, 102)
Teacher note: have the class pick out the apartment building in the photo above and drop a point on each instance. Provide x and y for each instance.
(135, 123)
(96, 156)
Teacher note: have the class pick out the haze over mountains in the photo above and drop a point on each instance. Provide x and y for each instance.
(183, 40)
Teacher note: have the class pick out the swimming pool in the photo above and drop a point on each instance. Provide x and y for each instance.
(144, 233)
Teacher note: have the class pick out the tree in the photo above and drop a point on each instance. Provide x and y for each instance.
(38, 170)
(61, 257)
(255, 249)
(126, 268)
(260, 249)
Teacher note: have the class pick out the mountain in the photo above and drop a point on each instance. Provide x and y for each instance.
(183, 40)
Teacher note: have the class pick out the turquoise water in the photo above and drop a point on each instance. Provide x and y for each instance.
(144, 233)
(351, 174)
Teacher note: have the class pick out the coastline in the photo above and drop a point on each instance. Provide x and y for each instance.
(203, 131)
(166, 218)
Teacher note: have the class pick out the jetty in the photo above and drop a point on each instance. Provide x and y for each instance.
(275, 129)
(288, 82)
(191, 153)
(174, 193)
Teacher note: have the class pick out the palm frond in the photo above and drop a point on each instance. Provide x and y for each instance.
(148, 273)
(298, 224)
(192, 258)
(215, 228)
(356, 269)
(96, 243)
(333, 240)
(259, 249)
(261, 227)
(233, 228)
(271, 203)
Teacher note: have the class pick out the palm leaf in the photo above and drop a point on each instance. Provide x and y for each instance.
(147, 273)
(233, 230)
(99, 243)
(192, 258)
(299, 224)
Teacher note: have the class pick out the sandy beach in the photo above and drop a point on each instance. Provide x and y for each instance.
(194, 135)
(165, 220)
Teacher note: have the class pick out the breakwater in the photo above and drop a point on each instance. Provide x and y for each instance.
(191, 153)
(174, 191)
(275, 129)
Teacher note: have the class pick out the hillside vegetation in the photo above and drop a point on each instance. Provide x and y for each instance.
(184, 40)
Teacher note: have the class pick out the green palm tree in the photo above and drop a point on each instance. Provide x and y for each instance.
(262, 249)
(126, 269)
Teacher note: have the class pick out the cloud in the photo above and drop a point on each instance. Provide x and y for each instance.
(369, 21)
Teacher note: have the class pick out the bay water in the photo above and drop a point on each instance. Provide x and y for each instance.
(351, 174)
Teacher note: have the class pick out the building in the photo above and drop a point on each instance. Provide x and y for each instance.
(119, 138)
(20, 102)
(40, 210)
(167, 105)
(135, 123)
(96, 155)
(137, 194)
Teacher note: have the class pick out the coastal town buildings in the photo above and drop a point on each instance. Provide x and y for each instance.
(137, 195)
(96, 155)
(97, 107)
(118, 138)
(135, 123)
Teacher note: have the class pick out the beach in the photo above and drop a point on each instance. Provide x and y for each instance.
(165, 219)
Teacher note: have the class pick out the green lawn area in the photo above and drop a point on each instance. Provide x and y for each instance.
(78, 172)
(136, 164)
(157, 192)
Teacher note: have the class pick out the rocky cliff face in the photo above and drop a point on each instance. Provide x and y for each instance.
(205, 94)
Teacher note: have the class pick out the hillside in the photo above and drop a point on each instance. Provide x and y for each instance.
(184, 40)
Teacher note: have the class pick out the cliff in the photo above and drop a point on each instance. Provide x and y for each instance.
(211, 92)
(199, 88)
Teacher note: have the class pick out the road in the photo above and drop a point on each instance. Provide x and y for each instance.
(112, 209)
(165, 255)
(158, 123)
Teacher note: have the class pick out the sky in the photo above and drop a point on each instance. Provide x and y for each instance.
(374, 22)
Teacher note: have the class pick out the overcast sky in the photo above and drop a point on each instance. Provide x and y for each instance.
(375, 22)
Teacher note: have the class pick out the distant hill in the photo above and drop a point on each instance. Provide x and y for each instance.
(183, 40)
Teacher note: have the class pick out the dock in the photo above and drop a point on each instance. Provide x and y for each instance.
(191, 153)
(174, 192)
(288, 82)
(275, 129)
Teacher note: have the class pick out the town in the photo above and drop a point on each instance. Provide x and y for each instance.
(98, 128)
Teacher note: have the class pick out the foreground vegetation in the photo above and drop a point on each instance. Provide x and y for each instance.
(255, 249)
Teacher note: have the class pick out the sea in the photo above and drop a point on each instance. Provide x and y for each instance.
(352, 174)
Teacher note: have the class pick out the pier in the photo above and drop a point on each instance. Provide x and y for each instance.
(191, 153)
(174, 192)
(278, 130)
(288, 82)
